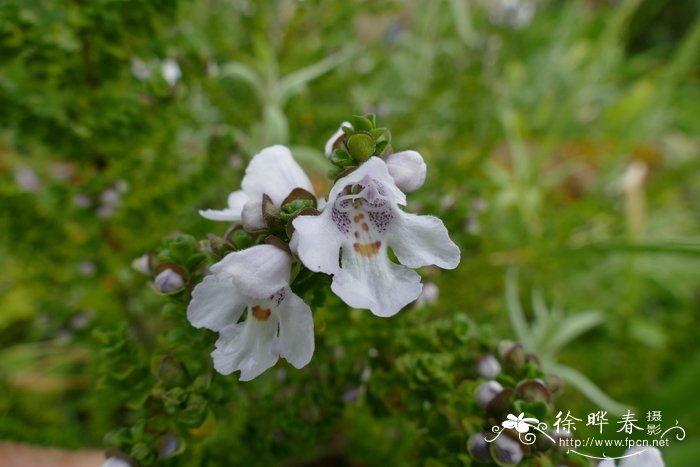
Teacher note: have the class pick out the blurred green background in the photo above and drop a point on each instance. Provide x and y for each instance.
(562, 140)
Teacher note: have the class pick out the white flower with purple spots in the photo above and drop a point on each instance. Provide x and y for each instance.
(272, 172)
(278, 323)
(351, 237)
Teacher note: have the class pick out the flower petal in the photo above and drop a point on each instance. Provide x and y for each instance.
(258, 271)
(273, 171)
(649, 457)
(247, 347)
(407, 169)
(296, 336)
(215, 304)
(422, 240)
(375, 282)
(252, 215)
(316, 240)
(232, 213)
(376, 169)
(115, 462)
(236, 199)
(329, 144)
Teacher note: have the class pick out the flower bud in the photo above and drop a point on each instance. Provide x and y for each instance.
(478, 447)
(182, 246)
(170, 372)
(486, 392)
(169, 281)
(407, 169)
(195, 411)
(488, 367)
(173, 398)
(168, 445)
(532, 390)
(239, 238)
(218, 246)
(143, 263)
(512, 354)
(554, 383)
(507, 451)
(361, 146)
(142, 453)
(115, 461)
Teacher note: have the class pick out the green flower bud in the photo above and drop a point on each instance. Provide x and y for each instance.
(173, 398)
(195, 411)
(169, 371)
(218, 246)
(298, 200)
(117, 438)
(239, 238)
(182, 246)
(361, 146)
(142, 453)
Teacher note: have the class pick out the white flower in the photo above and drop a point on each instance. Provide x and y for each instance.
(140, 69)
(278, 323)
(171, 72)
(26, 179)
(641, 456)
(520, 423)
(361, 221)
(274, 172)
(515, 13)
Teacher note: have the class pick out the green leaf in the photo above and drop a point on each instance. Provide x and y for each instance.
(293, 83)
(361, 123)
(246, 74)
(586, 387)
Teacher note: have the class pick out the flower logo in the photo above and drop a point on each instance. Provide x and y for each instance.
(520, 423)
